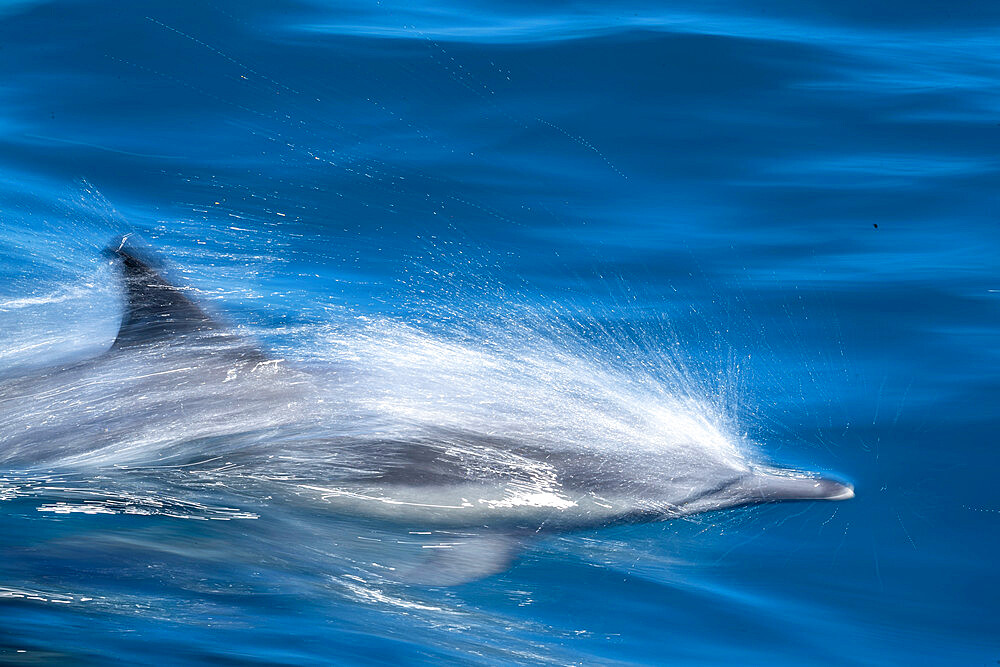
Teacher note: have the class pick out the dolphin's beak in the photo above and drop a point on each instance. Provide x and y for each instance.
(776, 484)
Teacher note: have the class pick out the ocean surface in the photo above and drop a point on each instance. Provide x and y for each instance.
(795, 203)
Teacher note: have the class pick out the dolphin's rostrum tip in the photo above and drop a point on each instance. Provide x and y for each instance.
(845, 492)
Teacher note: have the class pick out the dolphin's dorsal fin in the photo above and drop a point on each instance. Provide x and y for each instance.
(158, 312)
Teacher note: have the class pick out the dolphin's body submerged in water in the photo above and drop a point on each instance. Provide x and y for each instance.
(177, 390)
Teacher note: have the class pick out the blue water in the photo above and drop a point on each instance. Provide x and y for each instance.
(801, 197)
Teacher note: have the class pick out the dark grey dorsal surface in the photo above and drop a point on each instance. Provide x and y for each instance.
(158, 312)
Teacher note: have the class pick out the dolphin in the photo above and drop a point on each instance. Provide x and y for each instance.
(179, 389)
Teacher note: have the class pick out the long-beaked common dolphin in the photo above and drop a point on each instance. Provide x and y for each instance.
(178, 387)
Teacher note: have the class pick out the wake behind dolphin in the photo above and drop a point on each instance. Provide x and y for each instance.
(406, 429)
